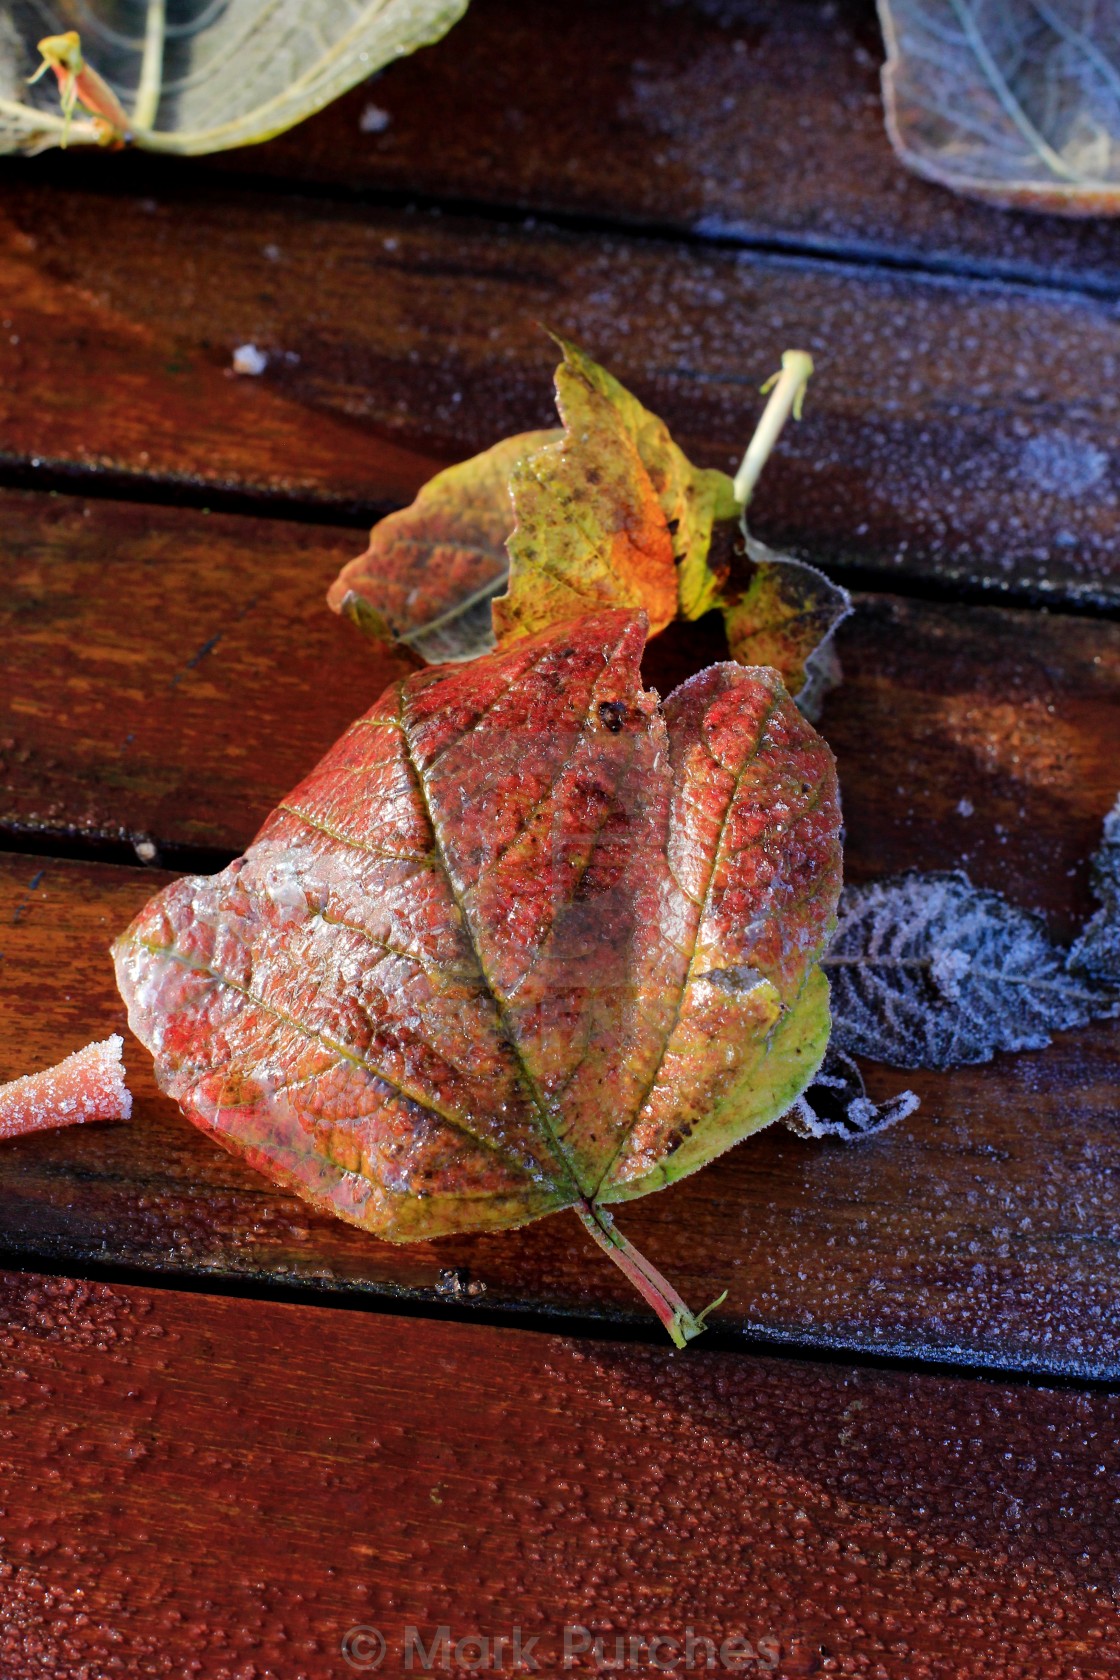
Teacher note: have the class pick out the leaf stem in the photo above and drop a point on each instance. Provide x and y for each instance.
(680, 1321)
(787, 393)
(151, 66)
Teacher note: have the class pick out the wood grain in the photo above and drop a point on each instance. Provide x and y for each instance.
(164, 667)
(957, 431)
(984, 1229)
(226, 1488)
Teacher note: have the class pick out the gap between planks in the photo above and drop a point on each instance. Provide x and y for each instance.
(339, 1297)
(193, 179)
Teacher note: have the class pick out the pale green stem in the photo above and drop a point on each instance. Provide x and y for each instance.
(787, 392)
(151, 67)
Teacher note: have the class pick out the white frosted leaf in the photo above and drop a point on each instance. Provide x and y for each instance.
(214, 73)
(929, 971)
(1013, 101)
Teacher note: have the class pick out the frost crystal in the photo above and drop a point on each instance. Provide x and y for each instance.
(248, 359)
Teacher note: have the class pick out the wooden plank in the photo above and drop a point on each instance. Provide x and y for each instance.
(171, 674)
(984, 1229)
(229, 1488)
(957, 431)
(163, 668)
(757, 121)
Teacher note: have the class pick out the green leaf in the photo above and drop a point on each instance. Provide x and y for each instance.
(525, 940)
(692, 499)
(591, 532)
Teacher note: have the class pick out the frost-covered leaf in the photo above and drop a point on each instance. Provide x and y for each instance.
(836, 1104)
(89, 1085)
(693, 500)
(202, 77)
(608, 512)
(431, 571)
(525, 940)
(928, 971)
(1097, 951)
(1013, 101)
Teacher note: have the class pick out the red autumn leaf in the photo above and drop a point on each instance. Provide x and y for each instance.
(524, 940)
(89, 1085)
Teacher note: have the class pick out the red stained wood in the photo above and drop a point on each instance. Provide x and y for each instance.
(164, 668)
(954, 430)
(226, 1488)
(983, 1228)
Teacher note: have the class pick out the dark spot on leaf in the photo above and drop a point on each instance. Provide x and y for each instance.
(738, 979)
(612, 715)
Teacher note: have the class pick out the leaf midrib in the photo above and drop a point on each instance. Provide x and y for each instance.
(529, 1082)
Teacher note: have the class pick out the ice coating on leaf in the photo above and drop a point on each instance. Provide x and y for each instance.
(431, 570)
(1012, 101)
(1097, 951)
(88, 1085)
(521, 941)
(836, 1104)
(929, 971)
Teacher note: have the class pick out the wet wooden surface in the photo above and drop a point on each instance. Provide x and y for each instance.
(253, 1483)
(223, 1487)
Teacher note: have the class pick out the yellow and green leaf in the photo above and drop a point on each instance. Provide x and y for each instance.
(607, 513)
